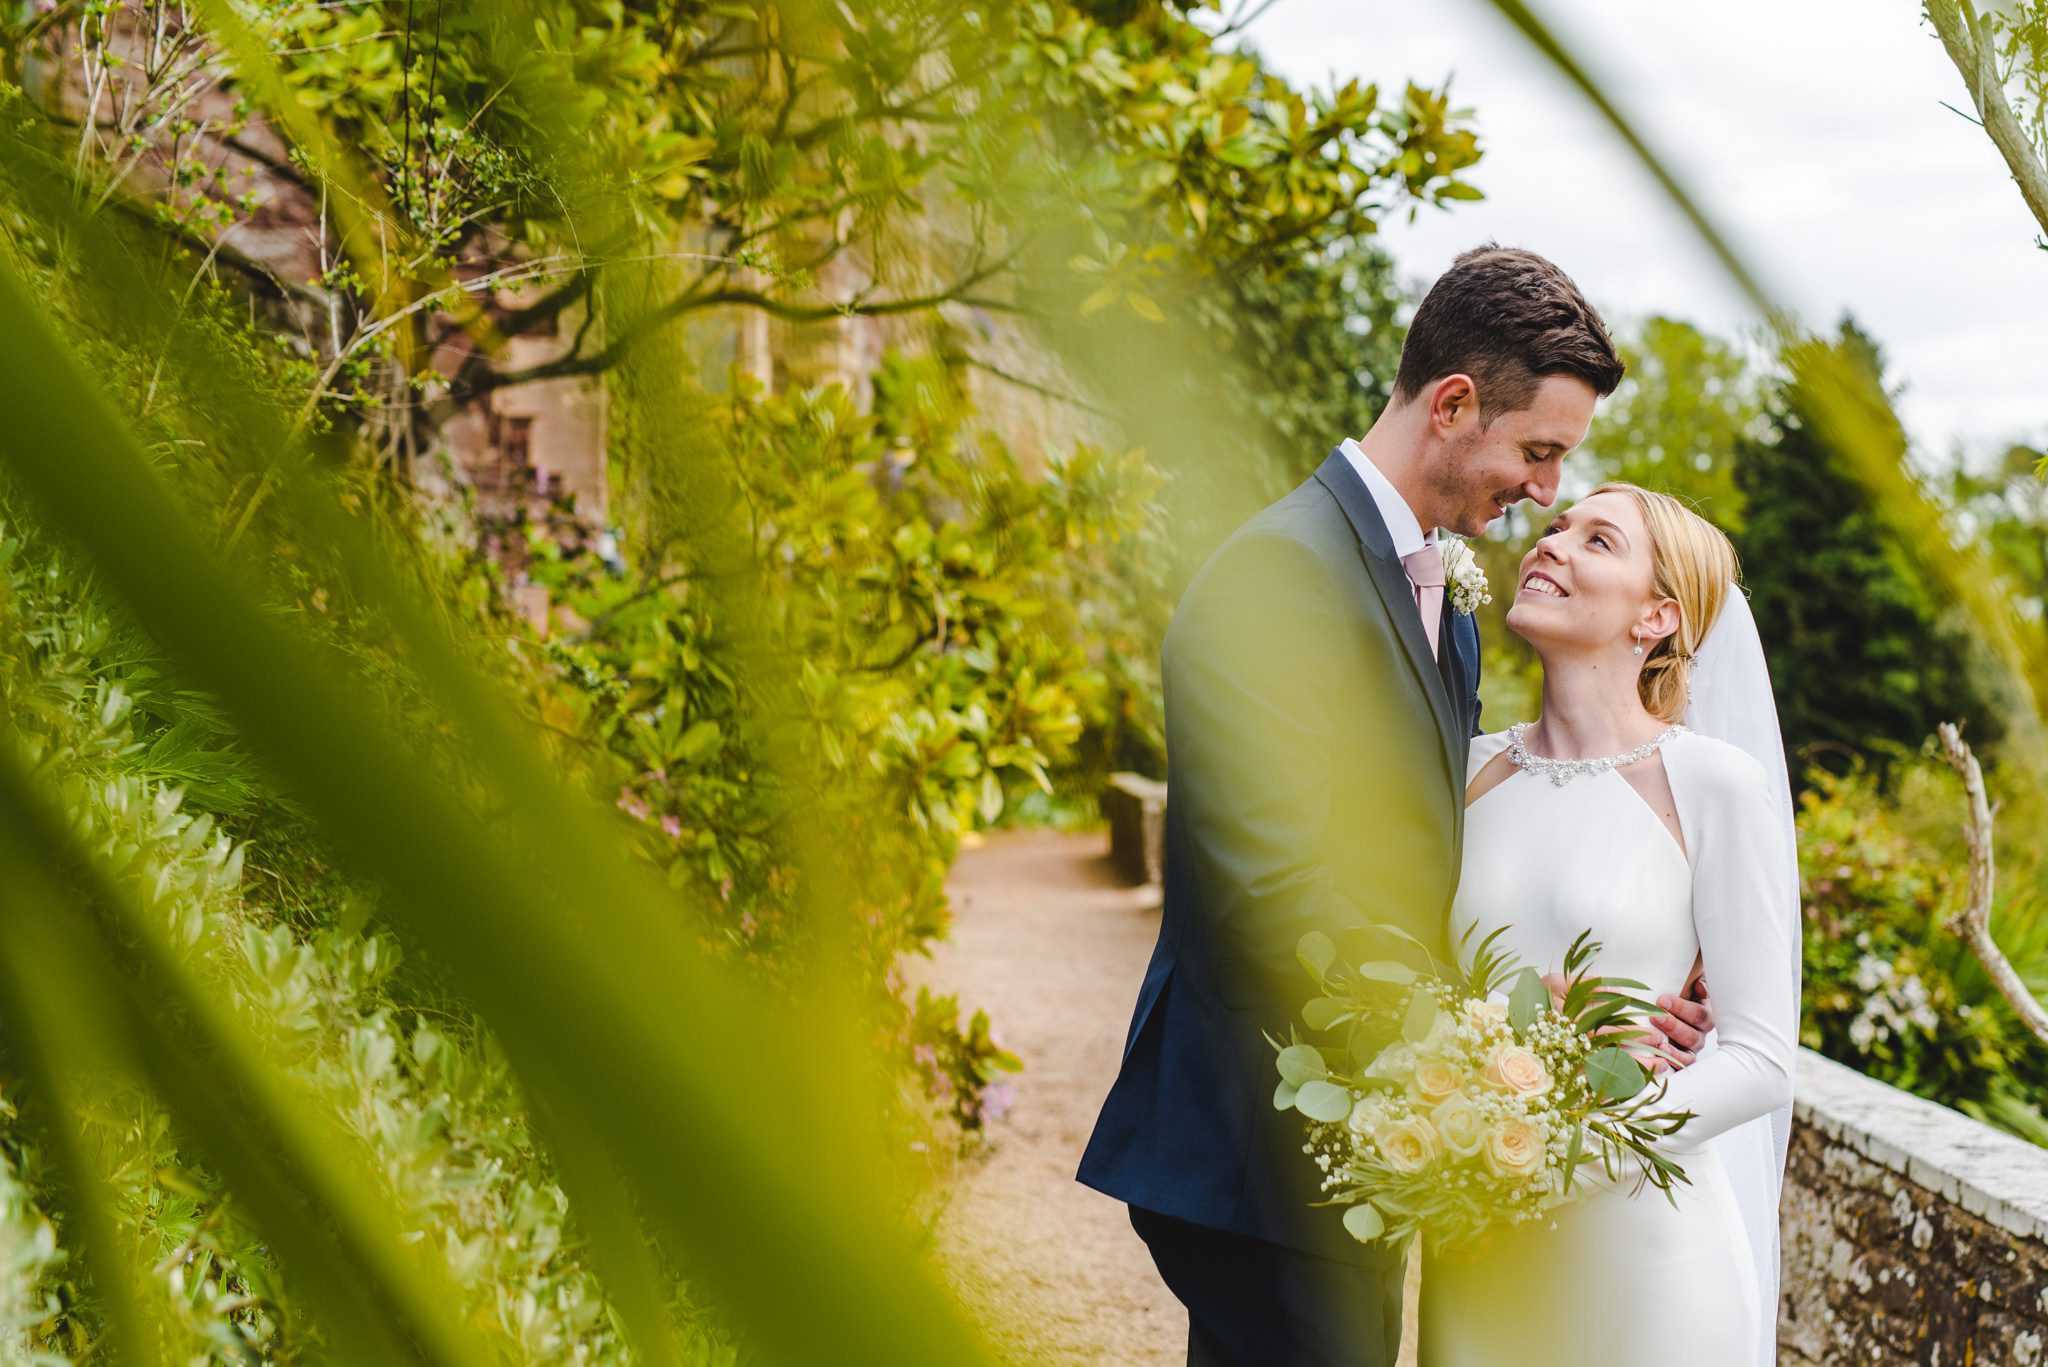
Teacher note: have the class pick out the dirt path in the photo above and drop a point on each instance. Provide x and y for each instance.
(1047, 941)
(1053, 947)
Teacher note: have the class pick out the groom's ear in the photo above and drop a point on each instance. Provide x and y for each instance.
(1452, 399)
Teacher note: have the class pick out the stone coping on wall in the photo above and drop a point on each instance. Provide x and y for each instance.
(2000, 1179)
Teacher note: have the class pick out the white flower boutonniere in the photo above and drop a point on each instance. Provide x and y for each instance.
(1466, 580)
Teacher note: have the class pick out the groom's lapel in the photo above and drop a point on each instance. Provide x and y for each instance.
(1377, 551)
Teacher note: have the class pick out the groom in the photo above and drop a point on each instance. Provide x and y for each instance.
(1320, 691)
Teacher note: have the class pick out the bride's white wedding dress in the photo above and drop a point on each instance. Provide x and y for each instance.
(1632, 1280)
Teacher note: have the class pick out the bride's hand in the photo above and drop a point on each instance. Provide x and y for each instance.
(1685, 1024)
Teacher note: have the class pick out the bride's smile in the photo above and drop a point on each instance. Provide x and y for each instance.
(1586, 590)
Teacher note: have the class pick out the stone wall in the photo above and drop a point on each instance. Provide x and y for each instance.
(1911, 1233)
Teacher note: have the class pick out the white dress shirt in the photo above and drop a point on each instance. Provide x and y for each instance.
(1402, 524)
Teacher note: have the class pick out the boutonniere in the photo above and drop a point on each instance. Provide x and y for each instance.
(1462, 573)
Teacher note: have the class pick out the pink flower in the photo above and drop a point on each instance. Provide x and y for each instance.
(926, 1055)
(997, 1100)
(673, 826)
(631, 805)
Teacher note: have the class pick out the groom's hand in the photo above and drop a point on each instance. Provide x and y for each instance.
(1683, 1027)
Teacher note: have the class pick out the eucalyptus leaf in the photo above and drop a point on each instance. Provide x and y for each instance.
(1614, 1075)
(1323, 1013)
(1421, 1018)
(1317, 952)
(1364, 1223)
(1283, 1096)
(1301, 1063)
(1324, 1101)
(1387, 971)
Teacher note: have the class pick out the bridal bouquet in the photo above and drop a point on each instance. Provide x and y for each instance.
(1449, 1110)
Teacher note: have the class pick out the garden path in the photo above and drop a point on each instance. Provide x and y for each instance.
(1052, 946)
(1050, 943)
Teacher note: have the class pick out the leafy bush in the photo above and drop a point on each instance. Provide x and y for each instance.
(943, 619)
(1889, 991)
(417, 1085)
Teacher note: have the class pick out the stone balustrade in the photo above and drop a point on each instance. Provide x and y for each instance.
(1911, 1233)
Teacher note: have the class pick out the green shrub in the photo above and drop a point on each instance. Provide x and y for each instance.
(948, 625)
(1889, 990)
(414, 1082)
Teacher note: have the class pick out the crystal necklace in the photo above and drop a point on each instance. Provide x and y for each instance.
(1563, 771)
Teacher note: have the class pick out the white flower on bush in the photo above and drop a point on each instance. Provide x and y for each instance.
(1896, 1000)
(1463, 577)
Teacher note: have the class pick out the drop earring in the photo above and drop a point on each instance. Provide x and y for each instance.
(1639, 642)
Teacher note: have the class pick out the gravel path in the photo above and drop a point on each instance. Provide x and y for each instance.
(1053, 947)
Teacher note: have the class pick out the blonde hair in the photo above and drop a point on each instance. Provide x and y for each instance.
(1692, 563)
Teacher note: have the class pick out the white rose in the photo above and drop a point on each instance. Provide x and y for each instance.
(1515, 1070)
(1485, 1013)
(1515, 1148)
(1434, 1079)
(1459, 1124)
(1408, 1146)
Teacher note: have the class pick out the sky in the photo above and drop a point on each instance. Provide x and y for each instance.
(1812, 130)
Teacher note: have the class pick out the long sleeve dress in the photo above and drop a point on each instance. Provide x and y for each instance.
(1633, 1279)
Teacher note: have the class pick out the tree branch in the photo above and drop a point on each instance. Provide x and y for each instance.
(1973, 922)
(600, 361)
(1974, 55)
(219, 250)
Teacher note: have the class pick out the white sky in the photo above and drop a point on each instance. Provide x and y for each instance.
(1812, 129)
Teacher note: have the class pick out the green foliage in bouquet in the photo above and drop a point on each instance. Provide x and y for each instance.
(1445, 1110)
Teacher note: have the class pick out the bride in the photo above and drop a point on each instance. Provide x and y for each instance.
(1672, 844)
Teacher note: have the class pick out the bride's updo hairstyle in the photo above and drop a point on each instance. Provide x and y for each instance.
(1692, 563)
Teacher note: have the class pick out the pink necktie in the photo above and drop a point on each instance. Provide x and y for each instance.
(1426, 572)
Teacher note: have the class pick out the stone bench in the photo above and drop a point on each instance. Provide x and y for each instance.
(1135, 807)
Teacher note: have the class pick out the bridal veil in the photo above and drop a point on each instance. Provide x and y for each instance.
(1732, 701)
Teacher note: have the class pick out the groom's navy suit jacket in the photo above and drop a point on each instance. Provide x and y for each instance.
(1316, 771)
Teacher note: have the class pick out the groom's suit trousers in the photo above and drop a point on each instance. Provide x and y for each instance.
(1257, 1304)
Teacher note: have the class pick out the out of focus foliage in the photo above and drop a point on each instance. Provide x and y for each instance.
(954, 641)
(289, 946)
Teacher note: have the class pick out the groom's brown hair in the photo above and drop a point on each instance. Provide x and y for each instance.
(1507, 318)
